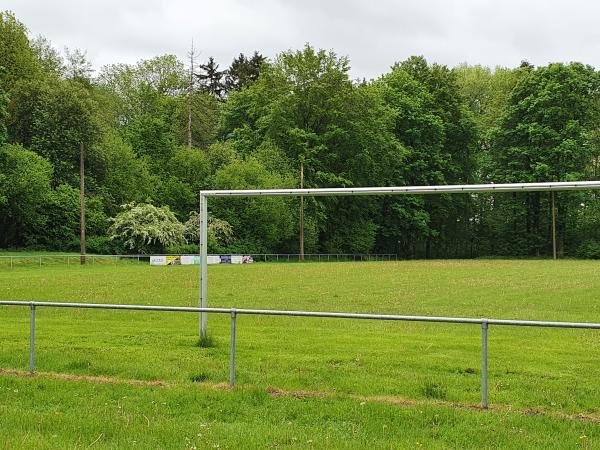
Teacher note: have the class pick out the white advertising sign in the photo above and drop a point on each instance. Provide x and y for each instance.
(158, 260)
(213, 259)
(188, 260)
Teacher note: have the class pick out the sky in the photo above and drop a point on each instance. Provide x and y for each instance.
(373, 34)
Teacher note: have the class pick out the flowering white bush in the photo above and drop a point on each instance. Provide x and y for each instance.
(146, 228)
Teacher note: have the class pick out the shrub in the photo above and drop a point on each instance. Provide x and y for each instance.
(589, 250)
(220, 232)
(183, 249)
(146, 228)
(102, 245)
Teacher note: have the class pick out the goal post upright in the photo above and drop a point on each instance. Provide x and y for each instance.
(203, 301)
(393, 190)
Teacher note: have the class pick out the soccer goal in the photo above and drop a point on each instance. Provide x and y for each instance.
(399, 190)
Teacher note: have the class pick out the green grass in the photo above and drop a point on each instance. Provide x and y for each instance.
(355, 363)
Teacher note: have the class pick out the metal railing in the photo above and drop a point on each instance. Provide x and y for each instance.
(322, 257)
(233, 312)
(12, 261)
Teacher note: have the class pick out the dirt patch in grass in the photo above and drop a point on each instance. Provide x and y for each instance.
(276, 392)
(305, 394)
(87, 378)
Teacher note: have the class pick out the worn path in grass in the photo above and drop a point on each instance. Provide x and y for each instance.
(555, 370)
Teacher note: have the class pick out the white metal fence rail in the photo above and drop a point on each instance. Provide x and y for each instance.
(233, 312)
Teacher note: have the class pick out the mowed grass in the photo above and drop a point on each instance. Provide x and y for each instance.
(349, 383)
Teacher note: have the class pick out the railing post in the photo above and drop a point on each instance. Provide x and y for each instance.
(232, 363)
(484, 364)
(32, 340)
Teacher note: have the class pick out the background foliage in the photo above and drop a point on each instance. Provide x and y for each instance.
(255, 122)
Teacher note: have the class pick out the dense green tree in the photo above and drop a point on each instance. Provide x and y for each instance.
(220, 154)
(48, 57)
(211, 79)
(186, 173)
(53, 118)
(147, 105)
(544, 133)
(205, 110)
(4, 99)
(17, 58)
(438, 138)
(545, 136)
(259, 224)
(243, 71)
(191, 166)
(486, 93)
(305, 105)
(119, 176)
(24, 194)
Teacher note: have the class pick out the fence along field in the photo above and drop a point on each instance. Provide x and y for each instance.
(234, 312)
(39, 260)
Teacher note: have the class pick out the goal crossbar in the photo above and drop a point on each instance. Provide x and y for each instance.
(409, 190)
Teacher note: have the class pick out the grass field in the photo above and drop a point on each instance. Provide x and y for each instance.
(138, 379)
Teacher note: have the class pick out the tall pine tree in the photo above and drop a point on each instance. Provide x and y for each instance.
(210, 79)
(243, 71)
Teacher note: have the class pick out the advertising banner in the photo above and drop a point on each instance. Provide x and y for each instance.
(173, 260)
(212, 259)
(188, 260)
(158, 260)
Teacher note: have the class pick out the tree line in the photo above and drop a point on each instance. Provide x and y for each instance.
(158, 131)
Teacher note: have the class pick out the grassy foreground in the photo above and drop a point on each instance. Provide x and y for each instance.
(304, 382)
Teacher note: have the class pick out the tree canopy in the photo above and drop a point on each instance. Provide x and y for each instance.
(156, 132)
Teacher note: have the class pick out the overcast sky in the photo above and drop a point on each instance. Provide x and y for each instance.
(374, 34)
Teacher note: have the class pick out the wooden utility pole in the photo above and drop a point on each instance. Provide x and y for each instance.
(190, 94)
(553, 228)
(301, 213)
(82, 203)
